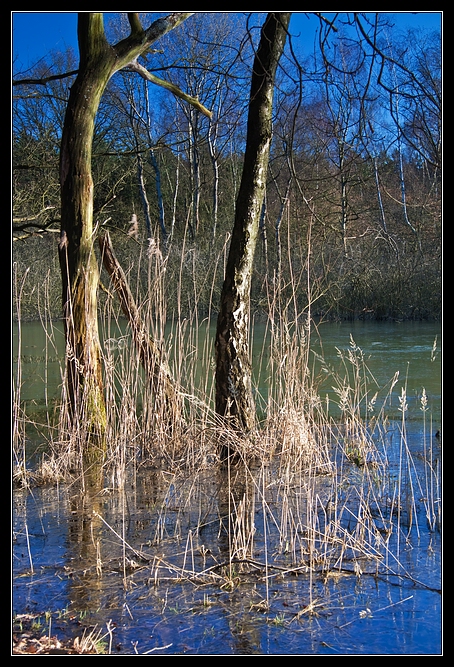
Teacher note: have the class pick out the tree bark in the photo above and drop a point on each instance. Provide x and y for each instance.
(77, 260)
(234, 398)
(98, 62)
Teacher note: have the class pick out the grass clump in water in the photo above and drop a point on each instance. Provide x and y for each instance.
(312, 492)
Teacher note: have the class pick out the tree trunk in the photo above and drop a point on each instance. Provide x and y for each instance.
(77, 260)
(143, 195)
(234, 399)
(98, 62)
(194, 159)
(277, 227)
(212, 135)
(157, 172)
(157, 175)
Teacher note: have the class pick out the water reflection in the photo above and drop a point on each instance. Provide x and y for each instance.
(98, 551)
(86, 543)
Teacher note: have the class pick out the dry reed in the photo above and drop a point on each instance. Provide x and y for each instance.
(310, 490)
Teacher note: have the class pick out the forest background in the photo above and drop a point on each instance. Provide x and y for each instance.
(351, 221)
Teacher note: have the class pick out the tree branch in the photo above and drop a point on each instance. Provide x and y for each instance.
(162, 26)
(135, 24)
(140, 69)
(23, 227)
(150, 355)
(44, 80)
(325, 20)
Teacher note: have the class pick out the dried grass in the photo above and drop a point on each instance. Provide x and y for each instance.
(313, 479)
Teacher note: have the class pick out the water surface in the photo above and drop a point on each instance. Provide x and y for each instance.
(74, 547)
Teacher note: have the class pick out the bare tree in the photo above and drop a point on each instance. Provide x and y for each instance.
(37, 115)
(99, 60)
(207, 53)
(234, 399)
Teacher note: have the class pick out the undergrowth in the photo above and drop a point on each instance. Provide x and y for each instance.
(319, 487)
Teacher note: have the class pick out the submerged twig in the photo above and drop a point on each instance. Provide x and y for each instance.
(138, 554)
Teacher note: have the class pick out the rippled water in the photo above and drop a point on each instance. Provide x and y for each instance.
(78, 550)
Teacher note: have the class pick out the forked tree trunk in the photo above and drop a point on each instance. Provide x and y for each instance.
(234, 398)
(98, 62)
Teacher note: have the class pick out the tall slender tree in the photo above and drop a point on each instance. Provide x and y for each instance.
(234, 398)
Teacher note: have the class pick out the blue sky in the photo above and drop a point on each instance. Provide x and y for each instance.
(36, 34)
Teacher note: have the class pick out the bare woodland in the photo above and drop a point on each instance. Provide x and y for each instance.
(250, 177)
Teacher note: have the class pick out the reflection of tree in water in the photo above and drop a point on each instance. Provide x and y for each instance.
(233, 496)
(236, 507)
(85, 552)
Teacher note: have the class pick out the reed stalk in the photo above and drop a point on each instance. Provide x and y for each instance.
(310, 490)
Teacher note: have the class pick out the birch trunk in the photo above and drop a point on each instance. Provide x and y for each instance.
(234, 398)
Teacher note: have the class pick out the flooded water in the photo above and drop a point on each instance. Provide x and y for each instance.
(411, 348)
(151, 566)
